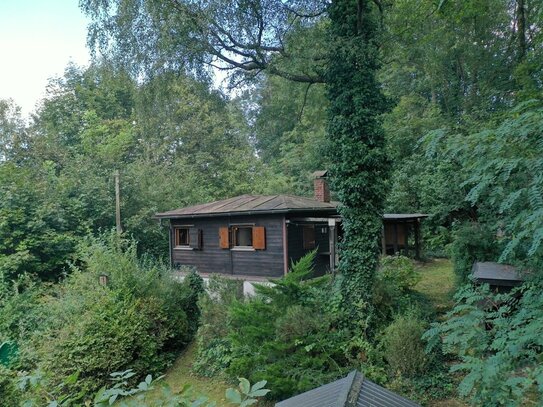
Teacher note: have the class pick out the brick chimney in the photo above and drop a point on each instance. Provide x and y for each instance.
(320, 184)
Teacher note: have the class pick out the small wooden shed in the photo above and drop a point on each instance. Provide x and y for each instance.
(500, 277)
(401, 234)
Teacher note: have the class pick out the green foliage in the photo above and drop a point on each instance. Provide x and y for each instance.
(472, 242)
(284, 334)
(247, 394)
(214, 347)
(403, 347)
(506, 183)
(36, 231)
(434, 384)
(20, 313)
(392, 291)
(498, 341)
(359, 163)
(123, 395)
(399, 271)
(9, 393)
(12, 130)
(139, 321)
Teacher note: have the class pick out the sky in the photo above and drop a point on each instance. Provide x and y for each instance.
(38, 38)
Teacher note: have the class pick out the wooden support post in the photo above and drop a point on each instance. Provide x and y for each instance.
(118, 203)
(406, 238)
(395, 238)
(285, 246)
(383, 240)
(332, 239)
(417, 239)
(171, 238)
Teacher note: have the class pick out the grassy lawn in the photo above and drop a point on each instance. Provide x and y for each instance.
(437, 283)
(181, 374)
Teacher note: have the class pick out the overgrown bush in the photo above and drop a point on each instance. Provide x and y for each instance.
(403, 346)
(140, 320)
(20, 313)
(288, 335)
(398, 271)
(214, 348)
(392, 291)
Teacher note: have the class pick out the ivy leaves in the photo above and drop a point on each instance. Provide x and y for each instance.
(356, 148)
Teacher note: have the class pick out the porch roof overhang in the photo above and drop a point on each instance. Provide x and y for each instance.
(404, 217)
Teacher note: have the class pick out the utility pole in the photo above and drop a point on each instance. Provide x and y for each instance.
(118, 203)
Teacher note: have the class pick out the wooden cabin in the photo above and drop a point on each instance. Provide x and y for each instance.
(251, 235)
(261, 235)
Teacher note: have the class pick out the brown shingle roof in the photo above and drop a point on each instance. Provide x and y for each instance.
(249, 204)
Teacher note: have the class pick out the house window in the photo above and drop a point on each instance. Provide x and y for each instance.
(182, 237)
(242, 236)
(309, 237)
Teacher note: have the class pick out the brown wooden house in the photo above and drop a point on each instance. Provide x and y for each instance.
(261, 235)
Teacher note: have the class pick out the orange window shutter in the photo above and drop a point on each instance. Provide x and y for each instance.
(224, 242)
(259, 237)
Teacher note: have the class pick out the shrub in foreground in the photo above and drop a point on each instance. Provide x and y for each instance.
(140, 320)
(403, 346)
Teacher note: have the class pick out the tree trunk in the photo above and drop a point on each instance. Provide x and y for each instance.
(360, 165)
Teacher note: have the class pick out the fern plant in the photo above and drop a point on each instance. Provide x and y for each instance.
(498, 340)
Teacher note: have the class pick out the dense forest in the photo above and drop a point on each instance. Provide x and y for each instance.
(431, 106)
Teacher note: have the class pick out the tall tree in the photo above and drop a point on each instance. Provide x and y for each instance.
(240, 37)
(248, 37)
(359, 162)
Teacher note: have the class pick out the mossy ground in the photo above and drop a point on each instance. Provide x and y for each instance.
(437, 283)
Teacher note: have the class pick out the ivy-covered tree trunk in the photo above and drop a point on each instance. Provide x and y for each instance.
(359, 163)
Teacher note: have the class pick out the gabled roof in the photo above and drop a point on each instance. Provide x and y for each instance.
(351, 391)
(252, 204)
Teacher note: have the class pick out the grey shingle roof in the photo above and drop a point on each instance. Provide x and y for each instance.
(496, 274)
(353, 390)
